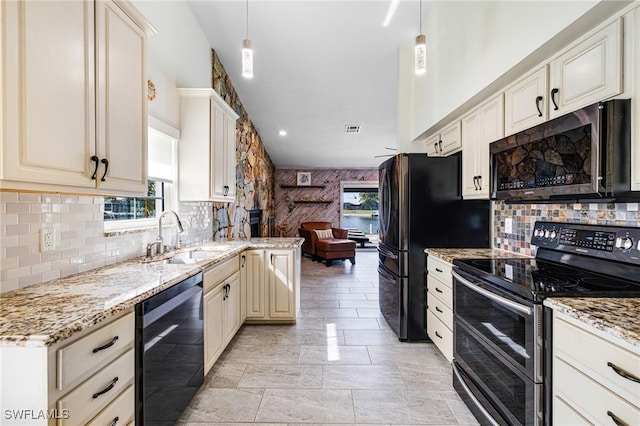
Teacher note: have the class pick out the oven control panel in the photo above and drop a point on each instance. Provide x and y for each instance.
(609, 242)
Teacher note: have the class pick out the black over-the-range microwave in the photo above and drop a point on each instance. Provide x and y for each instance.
(585, 154)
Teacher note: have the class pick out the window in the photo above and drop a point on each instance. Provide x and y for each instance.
(136, 212)
(359, 207)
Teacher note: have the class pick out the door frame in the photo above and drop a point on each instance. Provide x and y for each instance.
(354, 184)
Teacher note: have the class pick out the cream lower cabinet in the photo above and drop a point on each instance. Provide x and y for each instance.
(81, 125)
(440, 305)
(272, 280)
(482, 126)
(596, 377)
(86, 379)
(222, 317)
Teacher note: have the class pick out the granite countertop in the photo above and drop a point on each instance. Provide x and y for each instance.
(448, 254)
(615, 316)
(44, 314)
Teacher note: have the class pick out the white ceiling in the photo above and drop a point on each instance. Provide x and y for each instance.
(318, 66)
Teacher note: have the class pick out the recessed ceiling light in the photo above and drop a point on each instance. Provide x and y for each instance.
(282, 133)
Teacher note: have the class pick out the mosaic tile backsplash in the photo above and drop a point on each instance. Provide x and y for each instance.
(524, 217)
(81, 242)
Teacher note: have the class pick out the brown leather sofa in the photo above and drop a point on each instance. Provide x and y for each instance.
(330, 249)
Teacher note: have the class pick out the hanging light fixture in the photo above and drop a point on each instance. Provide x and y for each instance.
(247, 53)
(420, 51)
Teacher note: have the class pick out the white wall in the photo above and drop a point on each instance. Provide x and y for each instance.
(470, 44)
(179, 55)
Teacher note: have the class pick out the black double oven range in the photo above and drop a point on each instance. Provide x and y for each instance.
(502, 333)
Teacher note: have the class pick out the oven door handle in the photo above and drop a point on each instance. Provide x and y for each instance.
(386, 253)
(499, 299)
(386, 275)
(473, 399)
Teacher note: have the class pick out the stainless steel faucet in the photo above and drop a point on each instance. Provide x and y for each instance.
(159, 241)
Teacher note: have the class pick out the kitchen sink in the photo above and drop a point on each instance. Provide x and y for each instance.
(193, 256)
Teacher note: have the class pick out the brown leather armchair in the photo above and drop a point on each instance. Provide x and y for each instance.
(338, 247)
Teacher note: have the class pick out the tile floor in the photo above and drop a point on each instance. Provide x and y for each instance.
(340, 364)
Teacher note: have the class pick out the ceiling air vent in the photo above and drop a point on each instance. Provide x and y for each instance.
(351, 128)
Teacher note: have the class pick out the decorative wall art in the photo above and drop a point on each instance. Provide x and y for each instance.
(304, 179)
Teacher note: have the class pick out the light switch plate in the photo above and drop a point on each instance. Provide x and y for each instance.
(508, 225)
(47, 239)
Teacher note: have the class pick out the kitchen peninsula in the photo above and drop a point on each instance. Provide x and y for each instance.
(53, 334)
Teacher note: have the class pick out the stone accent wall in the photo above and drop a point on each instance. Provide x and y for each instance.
(255, 172)
(525, 215)
(289, 214)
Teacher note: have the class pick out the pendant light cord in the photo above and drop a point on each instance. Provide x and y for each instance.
(420, 16)
(248, 18)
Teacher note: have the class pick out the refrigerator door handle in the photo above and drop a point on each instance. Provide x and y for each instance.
(386, 274)
(386, 253)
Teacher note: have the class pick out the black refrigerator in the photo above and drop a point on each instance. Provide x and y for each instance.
(421, 206)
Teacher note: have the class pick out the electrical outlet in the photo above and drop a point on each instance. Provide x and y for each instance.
(47, 240)
(508, 225)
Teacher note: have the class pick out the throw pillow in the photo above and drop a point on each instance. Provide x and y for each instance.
(324, 234)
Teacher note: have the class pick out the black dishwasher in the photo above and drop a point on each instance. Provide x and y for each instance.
(169, 352)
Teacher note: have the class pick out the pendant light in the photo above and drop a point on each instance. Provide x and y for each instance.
(247, 53)
(420, 51)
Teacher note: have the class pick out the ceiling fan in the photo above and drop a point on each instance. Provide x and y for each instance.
(386, 155)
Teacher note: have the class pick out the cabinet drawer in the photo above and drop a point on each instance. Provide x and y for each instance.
(217, 273)
(442, 337)
(98, 391)
(588, 397)
(439, 269)
(438, 308)
(591, 354)
(92, 351)
(121, 408)
(440, 290)
(563, 414)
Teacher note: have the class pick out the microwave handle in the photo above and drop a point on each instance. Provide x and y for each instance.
(499, 299)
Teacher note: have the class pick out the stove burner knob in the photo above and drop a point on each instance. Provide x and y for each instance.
(553, 235)
(546, 233)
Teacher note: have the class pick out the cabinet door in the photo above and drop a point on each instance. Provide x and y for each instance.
(218, 160)
(470, 141)
(451, 138)
(281, 284)
(231, 307)
(122, 103)
(213, 326)
(253, 274)
(230, 154)
(47, 119)
(525, 103)
(433, 148)
(589, 72)
(243, 288)
(491, 129)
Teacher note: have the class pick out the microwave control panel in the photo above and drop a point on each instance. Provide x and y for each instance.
(609, 242)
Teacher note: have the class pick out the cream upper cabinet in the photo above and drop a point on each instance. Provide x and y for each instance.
(597, 386)
(482, 126)
(207, 146)
(81, 124)
(588, 72)
(634, 58)
(525, 103)
(445, 142)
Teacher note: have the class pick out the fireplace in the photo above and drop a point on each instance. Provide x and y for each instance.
(255, 222)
